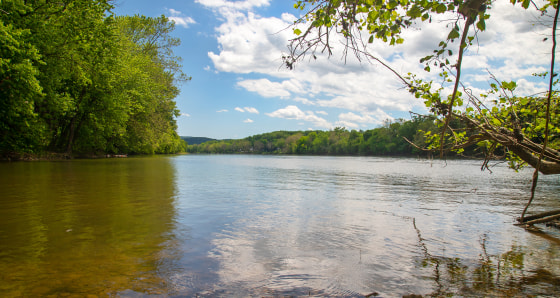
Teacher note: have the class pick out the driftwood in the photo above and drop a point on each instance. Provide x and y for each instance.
(539, 218)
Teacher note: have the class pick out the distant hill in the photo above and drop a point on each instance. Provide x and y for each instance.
(196, 140)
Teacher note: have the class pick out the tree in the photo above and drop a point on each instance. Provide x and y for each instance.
(75, 78)
(19, 88)
(526, 129)
(149, 83)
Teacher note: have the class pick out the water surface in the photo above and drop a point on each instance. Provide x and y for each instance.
(236, 225)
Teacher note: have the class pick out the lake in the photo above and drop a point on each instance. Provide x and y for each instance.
(242, 225)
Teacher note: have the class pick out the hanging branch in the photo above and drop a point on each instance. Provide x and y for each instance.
(470, 10)
(462, 47)
(547, 120)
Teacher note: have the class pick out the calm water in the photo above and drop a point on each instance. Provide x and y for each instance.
(237, 226)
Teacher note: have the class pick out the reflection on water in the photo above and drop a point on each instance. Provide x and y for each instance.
(238, 226)
(85, 227)
(502, 275)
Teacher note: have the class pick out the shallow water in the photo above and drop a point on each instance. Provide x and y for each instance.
(237, 226)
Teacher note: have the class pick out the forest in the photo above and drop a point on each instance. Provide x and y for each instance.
(393, 138)
(75, 79)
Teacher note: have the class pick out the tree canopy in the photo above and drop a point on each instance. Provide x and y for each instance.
(74, 78)
(524, 129)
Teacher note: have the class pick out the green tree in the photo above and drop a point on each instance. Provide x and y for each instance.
(526, 135)
(20, 128)
(151, 76)
(321, 143)
(75, 78)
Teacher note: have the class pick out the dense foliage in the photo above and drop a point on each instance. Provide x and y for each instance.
(391, 139)
(74, 78)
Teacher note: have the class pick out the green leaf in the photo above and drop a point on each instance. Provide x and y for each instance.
(481, 25)
(422, 60)
(297, 31)
(414, 12)
(441, 8)
(453, 34)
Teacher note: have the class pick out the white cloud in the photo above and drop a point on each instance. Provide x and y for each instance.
(352, 120)
(511, 48)
(179, 19)
(530, 88)
(185, 115)
(249, 43)
(237, 5)
(265, 88)
(247, 109)
(222, 111)
(356, 118)
(294, 113)
(322, 112)
(347, 124)
(248, 121)
(251, 110)
(290, 112)
(303, 100)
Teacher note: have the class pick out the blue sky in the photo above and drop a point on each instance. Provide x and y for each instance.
(233, 50)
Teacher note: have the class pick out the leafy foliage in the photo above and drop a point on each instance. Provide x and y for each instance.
(76, 79)
(19, 88)
(524, 130)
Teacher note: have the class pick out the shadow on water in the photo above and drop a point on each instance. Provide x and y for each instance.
(86, 227)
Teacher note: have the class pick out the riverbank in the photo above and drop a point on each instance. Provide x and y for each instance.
(54, 156)
(35, 157)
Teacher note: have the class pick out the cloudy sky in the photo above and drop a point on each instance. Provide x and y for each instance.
(233, 51)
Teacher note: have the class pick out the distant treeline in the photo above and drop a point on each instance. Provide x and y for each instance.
(196, 140)
(385, 140)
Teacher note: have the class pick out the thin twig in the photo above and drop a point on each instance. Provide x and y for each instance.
(547, 120)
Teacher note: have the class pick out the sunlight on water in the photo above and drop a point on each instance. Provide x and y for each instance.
(272, 226)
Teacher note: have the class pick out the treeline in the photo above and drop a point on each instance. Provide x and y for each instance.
(385, 140)
(76, 79)
(196, 140)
